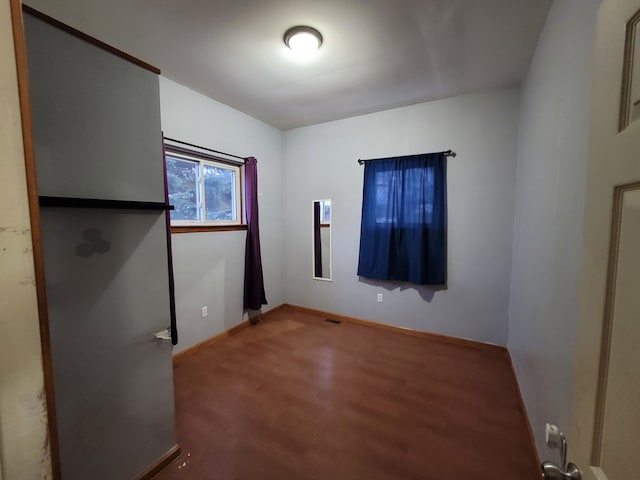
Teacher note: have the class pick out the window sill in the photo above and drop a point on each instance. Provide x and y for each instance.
(207, 228)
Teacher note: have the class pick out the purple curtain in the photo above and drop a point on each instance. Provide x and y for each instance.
(317, 241)
(254, 296)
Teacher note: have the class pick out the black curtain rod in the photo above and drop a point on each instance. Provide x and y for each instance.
(244, 159)
(446, 153)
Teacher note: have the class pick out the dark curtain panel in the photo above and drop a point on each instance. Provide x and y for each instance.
(254, 296)
(317, 241)
(172, 289)
(404, 220)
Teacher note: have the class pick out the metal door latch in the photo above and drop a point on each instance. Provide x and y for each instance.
(163, 334)
(551, 471)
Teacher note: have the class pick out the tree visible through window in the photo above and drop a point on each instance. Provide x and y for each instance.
(202, 191)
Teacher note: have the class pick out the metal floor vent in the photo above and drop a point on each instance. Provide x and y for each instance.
(332, 320)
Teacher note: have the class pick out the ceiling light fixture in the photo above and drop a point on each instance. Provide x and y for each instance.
(303, 40)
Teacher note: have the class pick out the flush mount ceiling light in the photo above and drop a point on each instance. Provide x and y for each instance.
(303, 40)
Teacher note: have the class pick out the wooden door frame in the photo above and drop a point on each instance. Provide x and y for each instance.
(20, 47)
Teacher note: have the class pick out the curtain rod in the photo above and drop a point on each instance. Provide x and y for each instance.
(446, 153)
(244, 159)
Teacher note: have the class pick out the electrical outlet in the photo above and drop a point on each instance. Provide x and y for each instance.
(204, 312)
(379, 298)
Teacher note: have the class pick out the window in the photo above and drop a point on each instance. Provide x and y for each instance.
(203, 191)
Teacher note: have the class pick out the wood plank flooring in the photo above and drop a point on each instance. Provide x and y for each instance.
(296, 397)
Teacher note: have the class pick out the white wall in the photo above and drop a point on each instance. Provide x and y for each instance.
(550, 193)
(24, 448)
(209, 267)
(321, 162)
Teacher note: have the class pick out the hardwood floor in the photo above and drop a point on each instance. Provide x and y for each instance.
(296, 397)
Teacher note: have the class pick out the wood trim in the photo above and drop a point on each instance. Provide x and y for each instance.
(627, 70)
(210, 341)
(208, 228)
(20, 46)
(227, 333)
(523, 410)
(436, 337)
(163, 462)
(325, 225)
(607, 322)
(89, 39)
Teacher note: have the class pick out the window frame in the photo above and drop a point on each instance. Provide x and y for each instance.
(202, 159)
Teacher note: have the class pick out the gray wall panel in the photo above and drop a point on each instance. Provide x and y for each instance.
(107, 288)
(96, 119)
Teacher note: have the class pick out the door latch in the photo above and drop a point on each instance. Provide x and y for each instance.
(551, 471)
(163, 334)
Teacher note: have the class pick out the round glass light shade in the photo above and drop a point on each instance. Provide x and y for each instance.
(303, 40)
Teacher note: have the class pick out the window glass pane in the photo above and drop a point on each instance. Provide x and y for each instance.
(182, 178)
(219, 195)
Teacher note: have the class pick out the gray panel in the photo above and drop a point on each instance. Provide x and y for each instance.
(96, 119)
(107, 288)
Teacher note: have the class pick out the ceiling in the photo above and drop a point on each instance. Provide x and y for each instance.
(376, 55)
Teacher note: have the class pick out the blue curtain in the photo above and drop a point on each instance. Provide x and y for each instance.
(403, 235)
